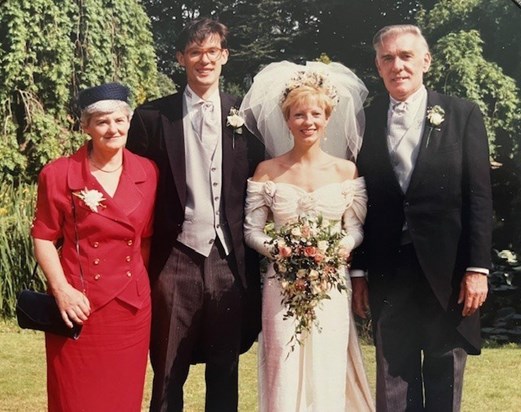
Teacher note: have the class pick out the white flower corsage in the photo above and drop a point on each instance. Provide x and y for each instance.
(235, 121)
(91, 198)
(435, 117)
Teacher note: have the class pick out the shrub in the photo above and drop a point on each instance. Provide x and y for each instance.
(16, 255)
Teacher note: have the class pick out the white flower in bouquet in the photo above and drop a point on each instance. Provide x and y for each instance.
(322, 245)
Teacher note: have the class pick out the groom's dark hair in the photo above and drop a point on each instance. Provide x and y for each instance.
(197, 31)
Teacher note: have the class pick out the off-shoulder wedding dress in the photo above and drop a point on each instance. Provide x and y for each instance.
(325, 373)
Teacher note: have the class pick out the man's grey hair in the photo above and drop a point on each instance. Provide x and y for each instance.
(397, 29)
(104, 107)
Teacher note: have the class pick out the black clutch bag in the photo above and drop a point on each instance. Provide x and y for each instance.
(39, 311)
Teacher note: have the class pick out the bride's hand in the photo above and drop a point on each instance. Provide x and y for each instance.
(345, 254)
(73, 304)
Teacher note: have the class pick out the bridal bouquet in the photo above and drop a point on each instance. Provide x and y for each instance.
(308, 256)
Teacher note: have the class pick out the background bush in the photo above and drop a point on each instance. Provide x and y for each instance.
(48, 51)
(16, 255)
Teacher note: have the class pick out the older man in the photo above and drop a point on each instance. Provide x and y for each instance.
(428, 230)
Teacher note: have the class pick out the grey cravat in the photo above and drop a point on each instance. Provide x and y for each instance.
(205, 124)
(399, 125)
(398, 128)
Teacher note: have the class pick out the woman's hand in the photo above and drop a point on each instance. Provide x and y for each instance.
(73, 304)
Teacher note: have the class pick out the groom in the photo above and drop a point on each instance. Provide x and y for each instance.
(205, 283)
(428, 230)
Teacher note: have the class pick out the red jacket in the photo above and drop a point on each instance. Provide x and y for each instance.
(110, 238)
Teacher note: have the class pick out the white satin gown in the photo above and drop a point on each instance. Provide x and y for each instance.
(326, 372)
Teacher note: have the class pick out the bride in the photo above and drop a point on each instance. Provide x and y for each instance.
(306, 116)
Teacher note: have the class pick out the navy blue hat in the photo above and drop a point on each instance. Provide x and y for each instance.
(108, 91)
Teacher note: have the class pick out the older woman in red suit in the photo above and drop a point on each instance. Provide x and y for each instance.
(103, 195)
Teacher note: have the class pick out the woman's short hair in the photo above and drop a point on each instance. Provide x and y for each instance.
(103, 107)
(306, 93)
(197, 31)
(397, 29)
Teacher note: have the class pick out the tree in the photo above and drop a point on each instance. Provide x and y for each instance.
(263, 31)
(461, 35)
(465, 72)
(497, 22)
(48, 51)
(346, 30)
(468, 62)
(260, 32)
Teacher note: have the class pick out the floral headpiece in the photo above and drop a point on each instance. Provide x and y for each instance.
(312, 79)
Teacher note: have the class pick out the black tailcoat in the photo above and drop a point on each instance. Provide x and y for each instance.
(447, 206)
(157, 133)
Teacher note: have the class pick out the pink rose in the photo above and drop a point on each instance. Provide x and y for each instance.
(300, 284)
(310, 251)
(329, 269)
(284, 251)
(306, 231)
(319, 257)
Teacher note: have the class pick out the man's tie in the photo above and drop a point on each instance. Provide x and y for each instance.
(398, 127)
(206, 125)
(400, 107)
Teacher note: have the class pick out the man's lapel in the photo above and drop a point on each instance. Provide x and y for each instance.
(382, 149)
(429, 144)
(228, 143)
(175, 144)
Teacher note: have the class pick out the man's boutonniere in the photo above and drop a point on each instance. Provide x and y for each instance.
(91, 198)
(435, 117)
(235, 121)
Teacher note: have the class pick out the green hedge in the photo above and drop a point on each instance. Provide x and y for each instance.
(16, 253)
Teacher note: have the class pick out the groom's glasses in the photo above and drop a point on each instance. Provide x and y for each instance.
(212, 53)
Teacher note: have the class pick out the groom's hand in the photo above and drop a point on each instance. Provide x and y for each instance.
(360, 296)
(473, 292)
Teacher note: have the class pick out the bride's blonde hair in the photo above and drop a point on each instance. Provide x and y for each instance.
(306, 93)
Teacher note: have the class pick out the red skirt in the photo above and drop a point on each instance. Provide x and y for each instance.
(104, 370)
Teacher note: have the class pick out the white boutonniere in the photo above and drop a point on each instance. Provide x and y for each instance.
(235, 121)
(435, 117)
(91, 198)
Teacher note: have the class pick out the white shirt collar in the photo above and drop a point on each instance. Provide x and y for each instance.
(412, 99)
(192, 99)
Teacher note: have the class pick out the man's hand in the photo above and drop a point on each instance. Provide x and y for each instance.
(473, 292)
(360, 296)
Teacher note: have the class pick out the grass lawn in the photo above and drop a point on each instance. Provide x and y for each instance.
(492, 379)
